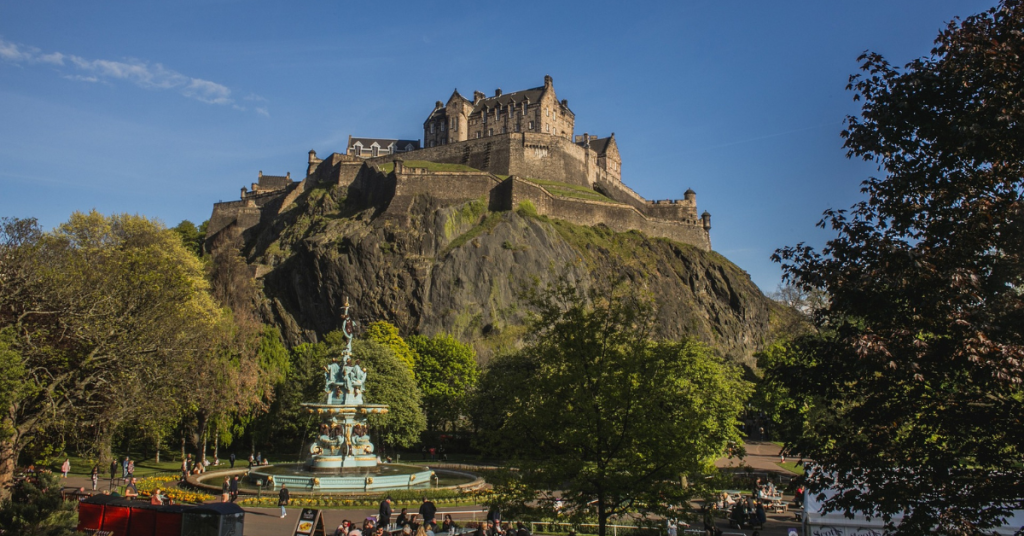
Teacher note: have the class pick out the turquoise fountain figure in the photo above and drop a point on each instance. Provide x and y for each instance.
(343, 439)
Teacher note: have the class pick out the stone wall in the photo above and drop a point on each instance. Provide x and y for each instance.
(618, 217)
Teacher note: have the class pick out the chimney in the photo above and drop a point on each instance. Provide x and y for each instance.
(565, 103)
(548, 81)
(261, 174)
(497, 92)
(478, 96)
(438, 105)
(312, 153)
(243, 192)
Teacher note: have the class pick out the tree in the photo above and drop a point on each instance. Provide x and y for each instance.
(192, 237)
(446, 372)
(602, 412)
(36, 508)
(915, 389)
(387, 334)
(100, 309)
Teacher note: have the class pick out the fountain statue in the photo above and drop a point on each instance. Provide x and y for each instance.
(343, 440)
(342, 456)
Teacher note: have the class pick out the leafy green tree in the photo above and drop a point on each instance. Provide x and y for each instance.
(35, 508)
(604, 413)
(102, 309)
(387, 334)
(917, 389)
(192, 237)
(447, 372)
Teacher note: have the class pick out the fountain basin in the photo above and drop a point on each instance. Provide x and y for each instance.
(386, 477)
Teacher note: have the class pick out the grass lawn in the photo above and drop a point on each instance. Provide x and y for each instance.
(571, 190)
(429, 166)
(792, 467)
(82, 466)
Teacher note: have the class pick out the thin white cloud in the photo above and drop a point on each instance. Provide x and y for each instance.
(138, 72)
(80, 78)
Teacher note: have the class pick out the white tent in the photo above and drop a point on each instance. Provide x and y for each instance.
(816, 523)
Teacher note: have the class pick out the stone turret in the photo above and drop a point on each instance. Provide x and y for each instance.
(706, 219)
(690, 195)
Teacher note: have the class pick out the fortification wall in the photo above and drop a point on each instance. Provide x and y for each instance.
(618, 217)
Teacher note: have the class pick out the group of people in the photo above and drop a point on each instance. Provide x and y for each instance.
(229, 489)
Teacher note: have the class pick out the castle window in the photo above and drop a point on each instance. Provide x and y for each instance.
(531, 125)
(478, 134)
(375, 151)
(443, 125)
(517, 127)
(503, 130)
(431, 128)
(490, 132)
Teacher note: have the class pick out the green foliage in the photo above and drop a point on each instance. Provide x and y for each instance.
(192, 237)
(563, 189)
(385, 333)
(427, 165)
(913, 392)
(389, 381)
(527, 209)
(35, 508)
(602, 412)
(106, 311)
(447, 372)
(486, 226)
(15, 383)
(468, 214)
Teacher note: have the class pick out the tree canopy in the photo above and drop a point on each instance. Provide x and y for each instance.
(911, 395)
(596, 408)
(446, 372)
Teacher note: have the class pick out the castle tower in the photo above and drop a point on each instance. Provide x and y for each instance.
(457, 112)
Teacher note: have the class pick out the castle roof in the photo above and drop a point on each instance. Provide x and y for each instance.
(383, 142)
(516, 96)
(599, 146)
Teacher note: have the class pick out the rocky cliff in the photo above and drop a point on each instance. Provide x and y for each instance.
(461, 269)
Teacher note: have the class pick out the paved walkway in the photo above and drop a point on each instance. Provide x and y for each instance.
(761, 456)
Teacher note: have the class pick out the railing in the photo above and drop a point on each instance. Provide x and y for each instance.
(573, 526)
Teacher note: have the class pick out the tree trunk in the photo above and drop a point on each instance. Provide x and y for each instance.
(9, 451)
(183, 444)
(202, 421)
(158, 449)
(216, 443)
(104, 439)
(602, 517)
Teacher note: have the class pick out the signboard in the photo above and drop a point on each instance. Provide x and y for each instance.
(310, 523)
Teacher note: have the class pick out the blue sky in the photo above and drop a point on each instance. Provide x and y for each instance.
(163, 108)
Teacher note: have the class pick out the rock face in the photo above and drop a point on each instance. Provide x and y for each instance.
(461, 269)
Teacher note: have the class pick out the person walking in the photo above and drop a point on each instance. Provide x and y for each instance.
(282, 500)
(233, 489)
(427, 512)
(232, 458)
(95, 476)
(384, 514)
(65, 468)
(113, 472)
(131, 468)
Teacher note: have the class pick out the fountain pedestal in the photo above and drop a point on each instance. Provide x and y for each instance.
(342, 442)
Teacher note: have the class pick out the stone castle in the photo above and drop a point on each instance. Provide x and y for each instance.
(509, 149)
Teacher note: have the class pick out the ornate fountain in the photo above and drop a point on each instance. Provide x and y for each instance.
(342, 456)
(343, 443)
